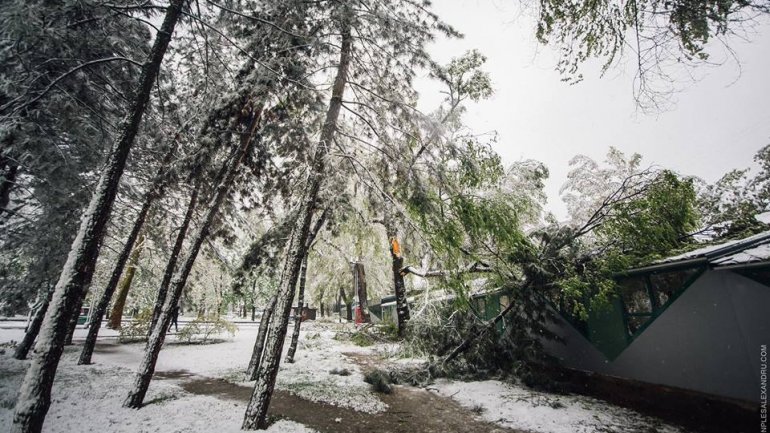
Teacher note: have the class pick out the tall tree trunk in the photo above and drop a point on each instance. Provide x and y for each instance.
(359, 285)
(34, 327)
(298, 313)
(35, 392)
(7, 184)
(168, 273)
(74, 317)
(397, 262)
(116, 317)
(146, 369)
(155, 191)
(256, 412)
(253, 301)
(256, 353)
(301, 289)
(74, 314)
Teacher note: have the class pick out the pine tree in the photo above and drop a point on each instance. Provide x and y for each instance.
(34, 397)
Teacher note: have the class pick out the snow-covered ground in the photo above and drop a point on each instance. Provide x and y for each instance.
(88, 398)
(521, 408)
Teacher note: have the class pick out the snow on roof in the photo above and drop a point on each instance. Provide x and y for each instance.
(756, 254)
(751, 249)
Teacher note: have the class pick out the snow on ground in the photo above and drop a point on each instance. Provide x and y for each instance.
(318, 354)
(89, 398)
(520, 408)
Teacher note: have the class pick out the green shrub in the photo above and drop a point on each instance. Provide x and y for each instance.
(202, 329)
(379, 380)
(138, 328)
(362, 339)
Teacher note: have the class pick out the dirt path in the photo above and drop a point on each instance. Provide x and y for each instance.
(409, 409)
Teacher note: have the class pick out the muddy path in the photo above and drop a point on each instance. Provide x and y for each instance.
(409, 409)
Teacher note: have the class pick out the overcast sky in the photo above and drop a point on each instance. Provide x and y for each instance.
(717, 124)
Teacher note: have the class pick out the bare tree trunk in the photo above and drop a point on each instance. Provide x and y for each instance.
(168, 273)
(73, 322)
(301, 290)
(156, 190)
(298, 313)
(359, 285)
(7, 184)
(256, 412)
(146, 369)
(397, 260)
(34, 327)
(35, 392)
(256, 354)
(116, 317)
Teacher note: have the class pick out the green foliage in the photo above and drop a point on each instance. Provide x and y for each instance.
(515, 352)
(654, 222)
(664, 34)
(362, 339)
(624, 216)
(203, 328)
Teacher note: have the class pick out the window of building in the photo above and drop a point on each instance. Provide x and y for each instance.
(646, 296)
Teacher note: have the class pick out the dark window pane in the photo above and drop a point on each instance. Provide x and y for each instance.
(636, 322)
(664, 285)
(635, 296)
(760, 275)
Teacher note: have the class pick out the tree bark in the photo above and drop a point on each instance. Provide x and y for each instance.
(34, 327)
(298, 313)
(256, 354)
(35, 392)
(256, 412)
(301, 290)
(359, 285)
(9, 181)
(397, 261)
(74, 316)
(116, 317)
(146, 369)
(155, 191)
(168, 273)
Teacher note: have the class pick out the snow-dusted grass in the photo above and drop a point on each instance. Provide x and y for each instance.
(518, 407)
(309, 377)
(89, 398)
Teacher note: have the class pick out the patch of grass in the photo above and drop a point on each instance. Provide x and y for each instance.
(361, 339)
(340, 372)
(379, 380)
(161, 399)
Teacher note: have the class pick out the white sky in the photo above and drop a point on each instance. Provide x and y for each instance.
(717, 124)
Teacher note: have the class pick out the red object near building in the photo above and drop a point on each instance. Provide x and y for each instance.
(359, 316)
